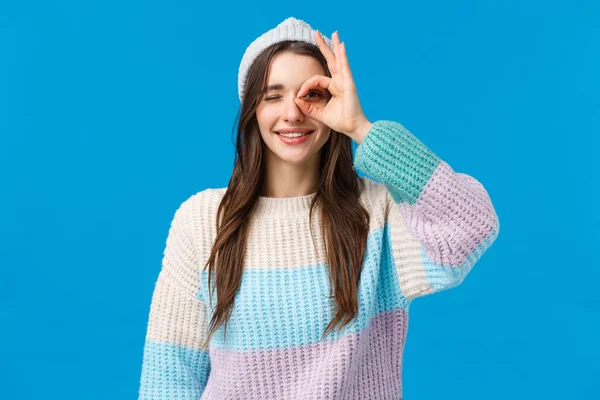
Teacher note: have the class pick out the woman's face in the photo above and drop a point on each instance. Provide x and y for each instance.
(277, 109)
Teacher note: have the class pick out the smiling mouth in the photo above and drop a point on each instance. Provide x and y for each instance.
(295, 134)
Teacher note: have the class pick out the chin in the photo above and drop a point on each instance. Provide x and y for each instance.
(294, 160)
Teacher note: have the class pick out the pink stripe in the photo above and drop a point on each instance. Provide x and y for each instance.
(452, 216)
(365, 365)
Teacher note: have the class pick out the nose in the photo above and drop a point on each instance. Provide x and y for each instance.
(291, 111)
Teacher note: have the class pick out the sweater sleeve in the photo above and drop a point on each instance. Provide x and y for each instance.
(439, 221)
(174, 366)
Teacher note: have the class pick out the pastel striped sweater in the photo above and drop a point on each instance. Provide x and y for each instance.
(429, 226)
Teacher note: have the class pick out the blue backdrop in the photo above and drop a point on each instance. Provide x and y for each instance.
(112, 113)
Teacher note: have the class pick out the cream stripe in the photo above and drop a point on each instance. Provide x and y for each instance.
(406, 252)
(273, 244)
(174, 317)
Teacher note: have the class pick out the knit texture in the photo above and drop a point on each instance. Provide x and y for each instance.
(429, 226)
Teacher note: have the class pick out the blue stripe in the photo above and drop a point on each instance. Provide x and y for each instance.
(170, 371)
(284, 307)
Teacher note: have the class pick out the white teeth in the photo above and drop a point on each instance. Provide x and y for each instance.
(294, 135)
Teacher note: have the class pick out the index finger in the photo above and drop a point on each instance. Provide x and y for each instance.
(326, 51)
(317, 81)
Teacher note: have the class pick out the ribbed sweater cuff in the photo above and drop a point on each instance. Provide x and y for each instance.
(392, 155)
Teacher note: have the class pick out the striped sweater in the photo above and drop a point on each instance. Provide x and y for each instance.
(429, 226)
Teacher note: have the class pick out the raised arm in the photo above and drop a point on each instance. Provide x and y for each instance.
(440, 221)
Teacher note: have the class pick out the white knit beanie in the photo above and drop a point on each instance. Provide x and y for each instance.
(290, 29)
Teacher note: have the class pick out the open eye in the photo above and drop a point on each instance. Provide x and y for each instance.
(314, 97)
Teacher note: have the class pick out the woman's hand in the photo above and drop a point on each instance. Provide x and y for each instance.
(342, 112)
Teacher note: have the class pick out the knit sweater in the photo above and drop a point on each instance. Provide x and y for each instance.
(429, 225)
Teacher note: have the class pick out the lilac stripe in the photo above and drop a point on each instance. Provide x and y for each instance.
(363, 365)
(452, 216)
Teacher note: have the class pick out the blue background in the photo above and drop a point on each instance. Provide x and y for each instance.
(113, 113)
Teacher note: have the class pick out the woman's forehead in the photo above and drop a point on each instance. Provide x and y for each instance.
(289, 69)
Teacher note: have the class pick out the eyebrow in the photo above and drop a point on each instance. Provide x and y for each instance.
(277, 86)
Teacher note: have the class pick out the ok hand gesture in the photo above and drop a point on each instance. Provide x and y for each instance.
(342, 112)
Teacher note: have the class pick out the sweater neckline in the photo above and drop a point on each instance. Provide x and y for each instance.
(284, 207)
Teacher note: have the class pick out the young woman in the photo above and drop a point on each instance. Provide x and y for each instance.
(295, 280)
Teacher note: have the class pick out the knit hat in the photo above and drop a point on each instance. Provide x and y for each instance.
(290, 29)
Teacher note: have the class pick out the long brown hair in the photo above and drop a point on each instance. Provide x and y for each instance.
(337, 194)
